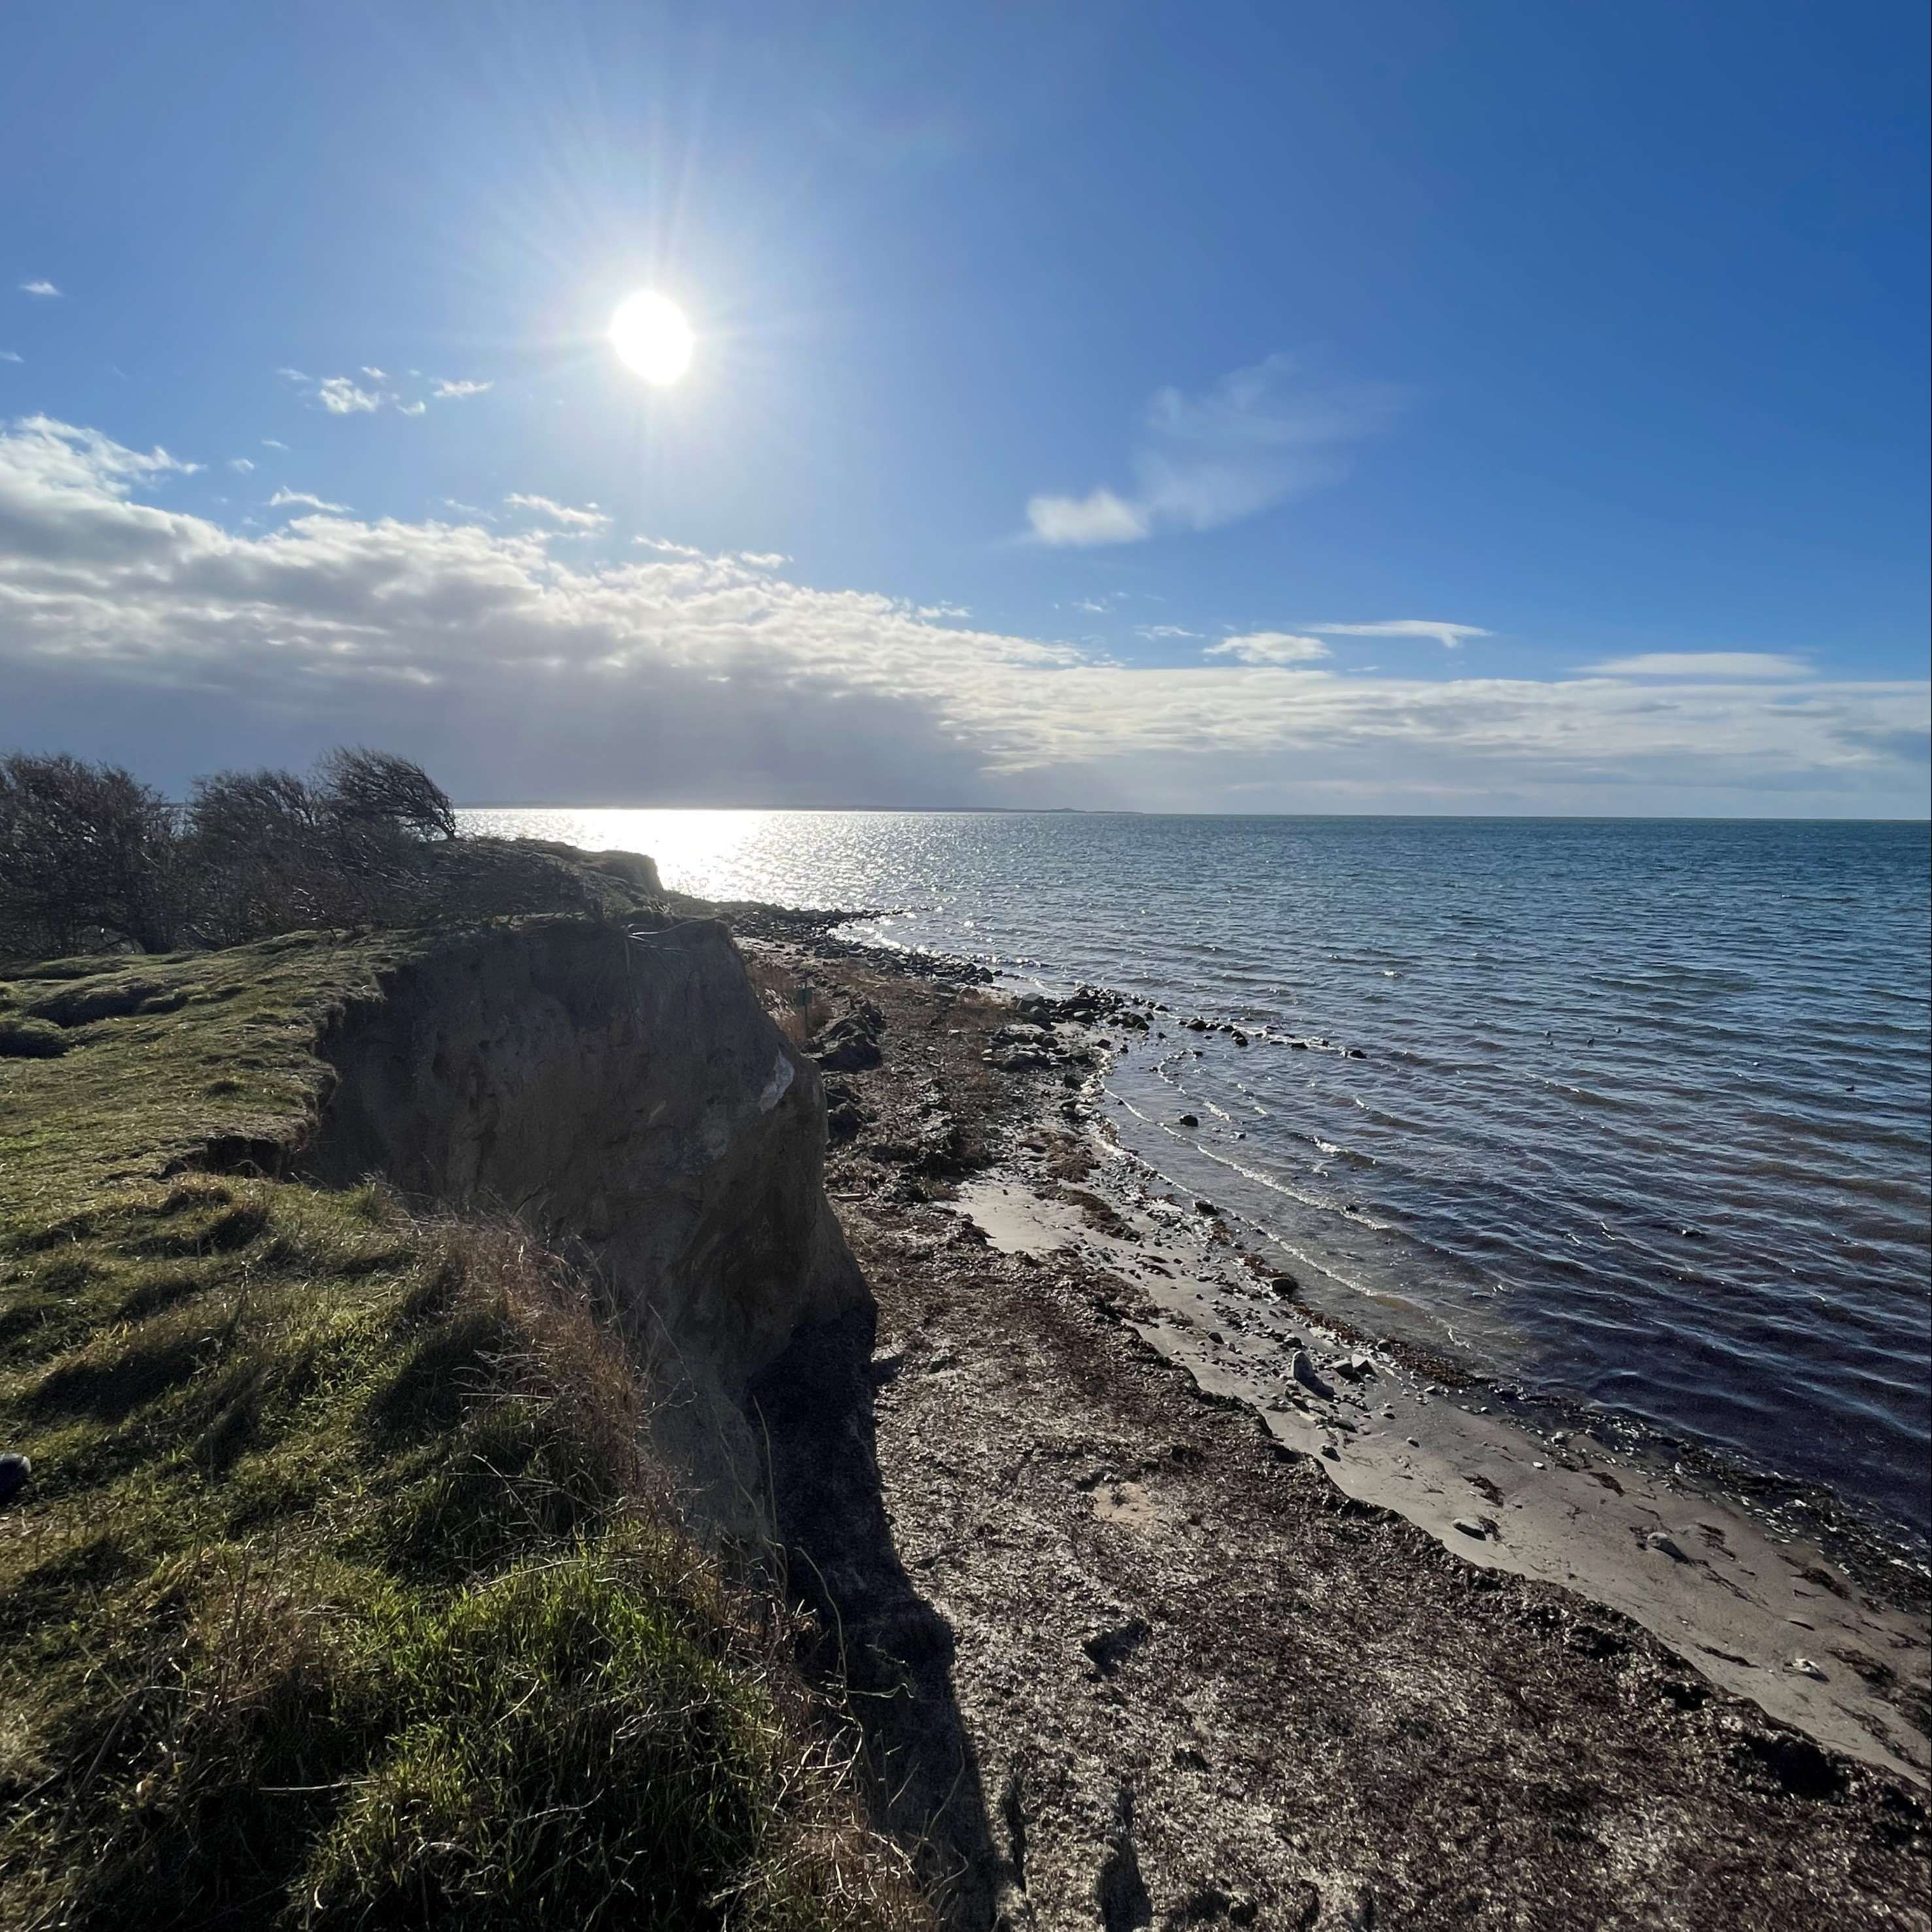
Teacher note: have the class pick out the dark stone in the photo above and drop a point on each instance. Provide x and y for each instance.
(1109, 1648)
(14, 1471)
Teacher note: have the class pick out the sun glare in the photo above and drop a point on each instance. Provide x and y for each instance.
(652, 337)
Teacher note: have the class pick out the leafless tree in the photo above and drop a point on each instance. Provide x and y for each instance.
(379, 788)
(89, 857)
(87, 852)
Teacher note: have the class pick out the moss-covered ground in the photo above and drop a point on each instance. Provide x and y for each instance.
(341, 1592)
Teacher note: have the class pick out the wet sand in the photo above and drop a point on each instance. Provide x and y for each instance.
(1772, 1621)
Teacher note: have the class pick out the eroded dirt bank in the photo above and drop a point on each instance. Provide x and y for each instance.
(1132, 1661)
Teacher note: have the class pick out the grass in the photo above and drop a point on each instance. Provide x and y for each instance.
(800, 1010)
(343, 1593)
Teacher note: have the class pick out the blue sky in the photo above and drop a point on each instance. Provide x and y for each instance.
(1473, 408)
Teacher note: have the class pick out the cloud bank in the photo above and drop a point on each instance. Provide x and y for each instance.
(524, 670)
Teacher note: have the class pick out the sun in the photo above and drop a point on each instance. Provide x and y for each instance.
(652, 338)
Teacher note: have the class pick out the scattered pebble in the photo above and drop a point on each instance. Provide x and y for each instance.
(1805, 1667)
(1470, 1528)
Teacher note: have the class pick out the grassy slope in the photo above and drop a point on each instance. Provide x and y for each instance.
(339, 1594)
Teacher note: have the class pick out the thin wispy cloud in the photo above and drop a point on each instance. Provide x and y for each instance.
(300, 499)
(362, 394)
(1449, 636)
(1255, 438)
(1724, 665)
(44, 289)
(566, 516)
(269, 442)
(1269, 647)
(241, 464)
(9, 356)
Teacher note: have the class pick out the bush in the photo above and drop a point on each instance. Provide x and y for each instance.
(92, 860)
(270, 852)
(86, 850)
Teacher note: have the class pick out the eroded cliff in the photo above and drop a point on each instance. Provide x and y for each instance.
(625, 1094)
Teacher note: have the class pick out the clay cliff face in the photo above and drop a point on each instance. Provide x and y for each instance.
(629, 1098)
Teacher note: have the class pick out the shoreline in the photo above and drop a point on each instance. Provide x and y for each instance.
(1767, 1620)
(1890, 1559)
(1187, 1661)
(1837, 1647)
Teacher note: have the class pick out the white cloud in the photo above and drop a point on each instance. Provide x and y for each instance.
(269, 442)
(1100, 518)
(340, 396)
(1449, 636)
(415, 408)
(458, 390)
(724, 681)
(1256, 437)
(464, 509)
(375, 375)
(240, 464)
(8, 355)
(763, 559)
(1269, 647)
(1166, 630)
(566, 516)
(301, 499)
(665, 547)
(1723, 665)
(42, 289)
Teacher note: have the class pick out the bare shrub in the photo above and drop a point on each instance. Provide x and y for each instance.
(87, 855)
(378, 787)
(91, 860)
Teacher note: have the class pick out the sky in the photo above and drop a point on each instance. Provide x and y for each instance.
(1489, 408)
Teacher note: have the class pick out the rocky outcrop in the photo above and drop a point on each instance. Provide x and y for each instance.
(625, 1094)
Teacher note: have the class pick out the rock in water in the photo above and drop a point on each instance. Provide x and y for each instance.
(1303, 1371)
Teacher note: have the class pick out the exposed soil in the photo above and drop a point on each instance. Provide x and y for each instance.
(1125, 1659)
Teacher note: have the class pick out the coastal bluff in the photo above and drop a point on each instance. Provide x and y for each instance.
(378, 1311)
(623, 1092)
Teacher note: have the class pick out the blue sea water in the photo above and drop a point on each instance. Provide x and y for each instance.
(1641, 1116)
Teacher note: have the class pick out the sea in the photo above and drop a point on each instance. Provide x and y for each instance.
(1631, 1113)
